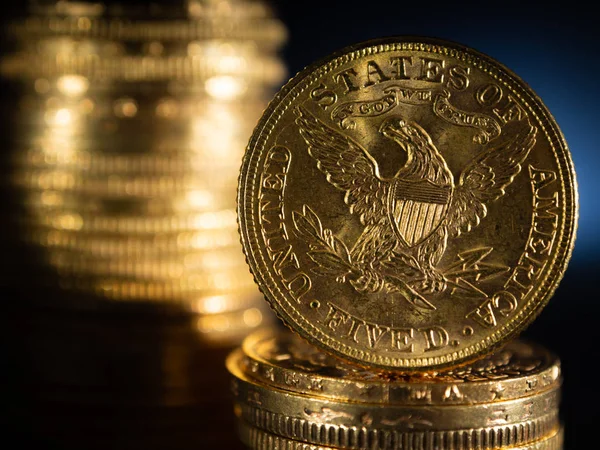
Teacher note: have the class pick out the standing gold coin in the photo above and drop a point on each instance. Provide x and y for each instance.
(407, 204)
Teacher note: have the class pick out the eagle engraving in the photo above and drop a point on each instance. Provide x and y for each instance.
(409, 217)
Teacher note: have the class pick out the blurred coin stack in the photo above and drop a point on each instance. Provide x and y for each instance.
(120, 242)
(290, 395)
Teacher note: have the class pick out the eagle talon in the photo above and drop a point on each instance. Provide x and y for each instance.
(368, 281)
(433, 283)
(408, 218)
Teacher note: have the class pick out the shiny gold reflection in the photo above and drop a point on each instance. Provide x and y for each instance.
(127, 146)
(71, 209)
(128, 155)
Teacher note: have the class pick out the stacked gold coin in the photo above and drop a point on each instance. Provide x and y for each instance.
(407, 205)
(124, 155)
(127, 148)
(289, 394)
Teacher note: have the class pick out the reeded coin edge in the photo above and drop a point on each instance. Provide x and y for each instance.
(249, 233)
(267, 28)
(323, 433)
(269, 71)
(260, 404)
(258, 439)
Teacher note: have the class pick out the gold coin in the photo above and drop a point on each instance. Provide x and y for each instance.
(132, 245)
(146, 269)
(269, 32)
(188, 261)
(202, 302)
(285, 361)
(232, 327)
(119, 186)
(350, 424)
(131, 289)
(196, 9)
(224, 303)
(177, 116)
(97, 163)
(79, 157)
(200, 200)
(257, 439)
(133, 224)
(407, 204)
(73, 294)
(267, 70)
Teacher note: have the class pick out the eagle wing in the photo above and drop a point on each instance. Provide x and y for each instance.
(347, 166)
(486, 178)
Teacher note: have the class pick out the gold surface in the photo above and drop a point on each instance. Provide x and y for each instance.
(257, 439)
(131, 246)
(285, 361)
(127, 283)
(125, 155)
(348, 423)
(243, 21)
(407, 204)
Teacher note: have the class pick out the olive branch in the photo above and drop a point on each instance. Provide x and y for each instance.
(399, 272)
(333, 258)
(326, 250)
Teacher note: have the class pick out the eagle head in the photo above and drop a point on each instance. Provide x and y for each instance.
(401, 131)
(423, 159)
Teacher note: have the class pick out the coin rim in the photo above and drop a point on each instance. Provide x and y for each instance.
(542, 291)
(256, 438)
(473, 392)
(276, 405)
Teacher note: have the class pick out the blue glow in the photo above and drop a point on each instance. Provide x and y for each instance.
(571, 96)
(552, 50)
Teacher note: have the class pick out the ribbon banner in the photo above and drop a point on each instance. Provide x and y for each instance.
(368, 108)
(487, 126)
(413, 96)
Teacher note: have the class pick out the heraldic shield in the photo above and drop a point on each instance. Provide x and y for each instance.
(417, 208)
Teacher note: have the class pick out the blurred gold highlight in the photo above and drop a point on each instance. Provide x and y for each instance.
(126, 137)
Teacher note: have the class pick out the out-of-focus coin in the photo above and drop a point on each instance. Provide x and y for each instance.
(176, 9)
(407, 203)
(231, 327)
(99, 163)
(145, 270)
(187, 260)
(246, 300)
(198, 201)
(257, 439)
(120, 186)
(123, 288)
(99, 110)
(131, 245)
(270, 33)
(284, 360)
(266, 70)
(133, 224)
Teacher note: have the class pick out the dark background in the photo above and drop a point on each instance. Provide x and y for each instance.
(555, 50)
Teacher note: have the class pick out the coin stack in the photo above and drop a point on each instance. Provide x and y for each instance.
(407, 206)
(289, 394)
(125, 147)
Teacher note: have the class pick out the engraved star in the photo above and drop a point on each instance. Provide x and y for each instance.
(498, 392)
